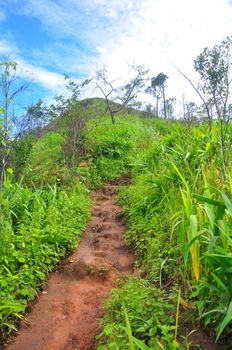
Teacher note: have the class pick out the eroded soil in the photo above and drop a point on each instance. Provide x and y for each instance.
(66, 314)
(65, 317)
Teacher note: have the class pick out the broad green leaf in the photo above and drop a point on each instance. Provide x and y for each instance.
(195, 246)
(128, 329)
(226, 201)
(206, 199)
(227, 319)
(219, 282)
(140, 344)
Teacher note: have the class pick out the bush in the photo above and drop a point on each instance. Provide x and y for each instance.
(150, 312)
(37, 229)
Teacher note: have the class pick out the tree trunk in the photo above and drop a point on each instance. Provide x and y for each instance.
(157, 106)
(3, 167)
(112, 117)
(2, 175)
(5, 141)
(164, 101)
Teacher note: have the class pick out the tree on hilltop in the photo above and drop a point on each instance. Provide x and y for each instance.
(157, 89)
(122, 96)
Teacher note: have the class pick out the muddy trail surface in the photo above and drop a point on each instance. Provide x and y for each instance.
(67, 313)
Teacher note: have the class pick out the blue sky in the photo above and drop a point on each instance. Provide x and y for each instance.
(49, 38)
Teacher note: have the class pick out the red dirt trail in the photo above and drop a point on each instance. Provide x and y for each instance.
(65, 317)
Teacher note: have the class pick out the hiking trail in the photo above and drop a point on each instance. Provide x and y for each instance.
(67, 312)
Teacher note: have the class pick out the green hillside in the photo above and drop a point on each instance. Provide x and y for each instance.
(179, 213)
(115, 175)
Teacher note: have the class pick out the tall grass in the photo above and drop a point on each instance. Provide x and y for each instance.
(37, 228)
(179, 209)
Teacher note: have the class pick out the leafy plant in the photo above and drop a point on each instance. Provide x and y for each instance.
(37, 228)
(137, 310)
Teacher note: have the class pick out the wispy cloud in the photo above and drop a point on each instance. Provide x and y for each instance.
(51, 81)
(91, 22)
(6, 49)
(165, 32)
(66, 58)
(87, 34)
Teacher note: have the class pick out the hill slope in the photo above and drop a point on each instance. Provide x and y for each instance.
(178, 208)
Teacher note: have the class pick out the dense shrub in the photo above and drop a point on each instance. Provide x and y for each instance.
(149, 310)
(37, 229)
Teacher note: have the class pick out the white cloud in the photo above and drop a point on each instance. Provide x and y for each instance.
(49, 80)
(6, 49)
(167, 31)
(156, 33)
(52, 81)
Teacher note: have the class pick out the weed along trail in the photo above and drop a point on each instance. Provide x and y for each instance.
(67, 312)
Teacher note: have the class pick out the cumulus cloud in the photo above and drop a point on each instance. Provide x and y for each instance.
(158, 34)
(171, 32)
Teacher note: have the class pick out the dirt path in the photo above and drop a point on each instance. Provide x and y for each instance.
(65, 315)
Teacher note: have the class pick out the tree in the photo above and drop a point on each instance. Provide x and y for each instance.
(191, 110)
(149, 108)
(205, 103)
(157, 88)
(170, 102)
(117, 98)
(10, 88)
(36, 116)
(74, 114)
(28, 127)
(214, 66)
(155, 92)
(229, 112)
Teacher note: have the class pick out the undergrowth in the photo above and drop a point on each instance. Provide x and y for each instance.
(150, 312)
(37, 229)
(43, 216)
(179, 212)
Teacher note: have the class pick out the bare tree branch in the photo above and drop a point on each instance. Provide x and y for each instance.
(123, 95)
(199, 94)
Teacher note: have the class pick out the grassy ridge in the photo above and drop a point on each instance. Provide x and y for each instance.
(44, 215)
(179, 222)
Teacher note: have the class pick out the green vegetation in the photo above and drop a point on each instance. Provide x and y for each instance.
(46, 162)
(111, 151)
(178, 206)
(37, 228)
(44, 214)
(179, 213)
(149, 310)
(179, 222)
